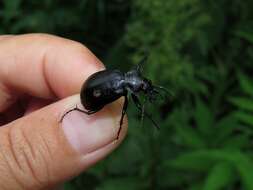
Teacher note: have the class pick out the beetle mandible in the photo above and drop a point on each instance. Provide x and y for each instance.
(106, 86)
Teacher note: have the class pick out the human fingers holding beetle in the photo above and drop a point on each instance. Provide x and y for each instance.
(40, 78)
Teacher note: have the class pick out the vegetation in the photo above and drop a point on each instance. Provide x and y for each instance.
(200, 49)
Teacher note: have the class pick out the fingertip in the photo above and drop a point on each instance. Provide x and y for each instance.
(88, 133)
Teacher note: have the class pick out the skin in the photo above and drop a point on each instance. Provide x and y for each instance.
(40, 78)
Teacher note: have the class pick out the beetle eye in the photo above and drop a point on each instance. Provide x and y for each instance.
(96, 93)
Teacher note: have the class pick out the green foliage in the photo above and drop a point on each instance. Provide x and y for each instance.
(200, 50)
(219, 177)
(244, 103)
(87, 21)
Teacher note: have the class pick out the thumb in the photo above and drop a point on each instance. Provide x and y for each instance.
(38, 151)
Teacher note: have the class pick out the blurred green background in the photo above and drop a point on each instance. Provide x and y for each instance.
(202, 50)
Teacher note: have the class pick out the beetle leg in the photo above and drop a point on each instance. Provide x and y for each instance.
(122, 115)
(77, 109)
(143, 110)
(138, 105)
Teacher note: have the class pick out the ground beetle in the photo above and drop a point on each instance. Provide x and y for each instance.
(106, 86)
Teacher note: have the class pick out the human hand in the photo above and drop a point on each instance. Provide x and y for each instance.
(36, 150)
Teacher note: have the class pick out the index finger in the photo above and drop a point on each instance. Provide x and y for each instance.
(43, 66)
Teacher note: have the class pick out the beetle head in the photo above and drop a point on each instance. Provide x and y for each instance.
(148, 89)
(146, 85)
(153, 91)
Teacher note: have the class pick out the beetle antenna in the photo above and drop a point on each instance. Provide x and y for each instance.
(156, 91)
(168, 92)
(139, 66)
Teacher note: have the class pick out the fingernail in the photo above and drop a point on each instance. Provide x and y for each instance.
(88, 133)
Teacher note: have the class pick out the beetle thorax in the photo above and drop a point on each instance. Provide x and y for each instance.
(135, 82)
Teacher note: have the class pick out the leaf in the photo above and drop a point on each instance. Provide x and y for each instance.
(195, 161)
(244, 117)
(244, 167)
(11, 9)
(246, 84)
(190, 137)
(69, 186)
(237, 142)
(203, 117)
(201, 160)
(120, 183)
(220, 176)
(224, 128)
(243, 103)
(247, 35)
(196, 186)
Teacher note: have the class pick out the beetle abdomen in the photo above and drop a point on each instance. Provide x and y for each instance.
(102, 88)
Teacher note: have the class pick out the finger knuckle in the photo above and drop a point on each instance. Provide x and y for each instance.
(27, 160)
(85, 54)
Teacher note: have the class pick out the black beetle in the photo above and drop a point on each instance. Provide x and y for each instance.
(106, 86)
